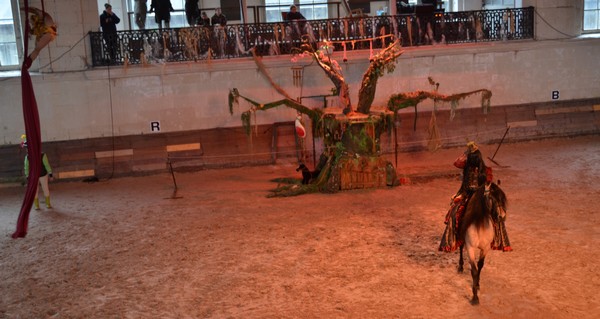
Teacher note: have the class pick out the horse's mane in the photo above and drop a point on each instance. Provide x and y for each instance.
(476, 211)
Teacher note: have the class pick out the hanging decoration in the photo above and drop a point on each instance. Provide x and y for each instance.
(373, 28)
(328, 46)
(239, 48)
(143, 59)
(394, 27)
(346, 28)
(167, 42)
(409, 27)
(434, 141)
(300, 130)
(382, 33)
(361, 28)
(274, 45)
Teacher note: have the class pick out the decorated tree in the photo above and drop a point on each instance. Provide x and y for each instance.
(351, 137)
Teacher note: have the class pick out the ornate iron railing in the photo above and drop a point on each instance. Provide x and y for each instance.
(352, 33)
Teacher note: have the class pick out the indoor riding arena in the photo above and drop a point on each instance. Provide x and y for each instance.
(220, 248)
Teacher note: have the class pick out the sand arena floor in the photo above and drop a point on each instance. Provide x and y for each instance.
(123, 248)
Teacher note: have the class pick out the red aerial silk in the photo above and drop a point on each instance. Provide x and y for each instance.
(34, 139)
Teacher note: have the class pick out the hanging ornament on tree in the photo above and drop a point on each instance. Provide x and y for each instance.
(300, 130)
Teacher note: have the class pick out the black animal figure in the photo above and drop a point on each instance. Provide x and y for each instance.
(307, 175)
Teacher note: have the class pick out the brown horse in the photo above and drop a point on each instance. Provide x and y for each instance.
(476, 229)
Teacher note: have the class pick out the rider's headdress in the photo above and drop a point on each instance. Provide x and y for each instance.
(472, 147)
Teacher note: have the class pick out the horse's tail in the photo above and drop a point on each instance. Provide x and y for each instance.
(475, 212)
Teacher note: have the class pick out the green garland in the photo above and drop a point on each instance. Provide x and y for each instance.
(400, 101)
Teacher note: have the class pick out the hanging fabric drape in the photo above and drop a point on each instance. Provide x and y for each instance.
(34, 140)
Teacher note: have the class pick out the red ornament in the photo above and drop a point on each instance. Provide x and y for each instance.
(300, 130)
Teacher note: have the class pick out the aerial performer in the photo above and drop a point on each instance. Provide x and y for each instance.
(40, 24)
(44, 29)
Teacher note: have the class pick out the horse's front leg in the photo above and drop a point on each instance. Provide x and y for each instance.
(479, 267)
(460, 260)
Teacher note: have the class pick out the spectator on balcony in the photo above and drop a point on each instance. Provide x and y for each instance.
(162, 9)
(108, 22)
(204, 20)
(192, 12)
(139, 13)
(219, 21)
(297, 20)
(294, 14)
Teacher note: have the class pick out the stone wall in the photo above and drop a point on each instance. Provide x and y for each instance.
(228, 147)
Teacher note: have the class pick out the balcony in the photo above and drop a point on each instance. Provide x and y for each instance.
(351, 33)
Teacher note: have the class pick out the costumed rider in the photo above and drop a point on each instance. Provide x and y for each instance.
(474, 175)
(45, 175)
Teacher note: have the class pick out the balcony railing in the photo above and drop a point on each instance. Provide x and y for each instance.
(353, 33)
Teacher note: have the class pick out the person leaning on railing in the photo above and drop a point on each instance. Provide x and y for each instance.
(297, 20)
(108, 22)
(219, 21)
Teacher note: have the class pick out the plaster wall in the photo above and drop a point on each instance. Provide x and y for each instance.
(191, 96)
(557, 19)
(79, 102)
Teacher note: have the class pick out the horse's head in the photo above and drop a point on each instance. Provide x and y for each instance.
(495, 200)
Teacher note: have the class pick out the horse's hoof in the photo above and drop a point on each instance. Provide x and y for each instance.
(475, 301)
(460, 270)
